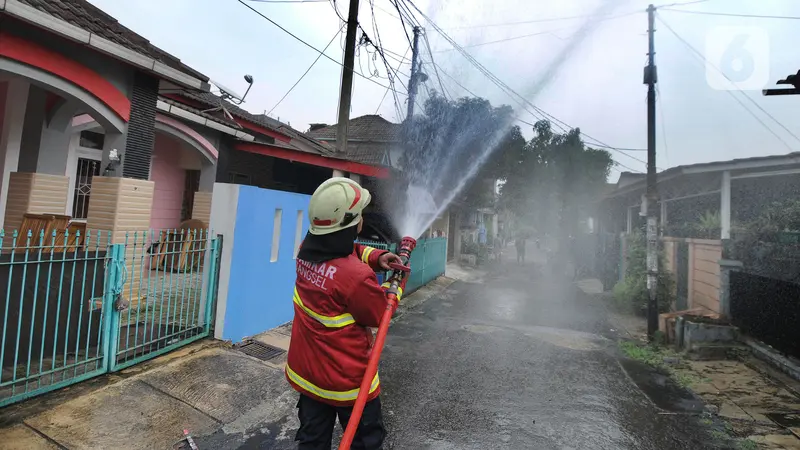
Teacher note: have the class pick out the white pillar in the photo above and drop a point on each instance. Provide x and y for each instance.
(11, 136)
(663, 216)
(629, 226)
(337, 173)
(355, 177)
(725, 206)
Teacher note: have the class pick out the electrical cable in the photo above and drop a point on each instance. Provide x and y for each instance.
(435, 67)
(288, 1)
(387, 90)
(703, 59)
(751, 16)
(243, 2)
(553, 19)
(508, 90)
(504, 40)
(307, 70)
(533, 125)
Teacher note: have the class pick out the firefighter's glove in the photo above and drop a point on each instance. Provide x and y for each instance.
(388, 258)
(398, 291)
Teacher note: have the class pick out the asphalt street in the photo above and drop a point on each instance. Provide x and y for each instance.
(518, 361)
(514, 360)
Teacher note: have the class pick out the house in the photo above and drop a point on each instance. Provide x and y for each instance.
(77, 88)
(699, 209)
(371, 139)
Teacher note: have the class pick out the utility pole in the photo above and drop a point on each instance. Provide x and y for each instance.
(650, 79)
(412, 81)
(347, 77)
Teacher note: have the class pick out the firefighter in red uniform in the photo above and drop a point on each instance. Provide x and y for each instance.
(337, 299)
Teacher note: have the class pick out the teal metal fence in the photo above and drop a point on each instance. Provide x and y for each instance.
(428, 262)
(74, 307)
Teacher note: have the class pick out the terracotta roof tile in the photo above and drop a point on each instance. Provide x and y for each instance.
(365, 128)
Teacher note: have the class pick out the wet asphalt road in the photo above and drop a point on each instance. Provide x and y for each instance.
(514, 362)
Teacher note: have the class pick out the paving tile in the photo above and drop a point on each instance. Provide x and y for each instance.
(222, 383)
(731, 411)
(20, 437)
(129, 415)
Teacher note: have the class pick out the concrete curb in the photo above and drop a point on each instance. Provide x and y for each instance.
(770, 356)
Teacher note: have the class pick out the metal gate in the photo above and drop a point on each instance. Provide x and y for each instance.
(74, 307)
(682, 276)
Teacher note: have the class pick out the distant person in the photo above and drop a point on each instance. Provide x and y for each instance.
(498, 249)
(538, 244)
(520, 243)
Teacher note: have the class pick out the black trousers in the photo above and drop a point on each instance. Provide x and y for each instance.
(317, 420)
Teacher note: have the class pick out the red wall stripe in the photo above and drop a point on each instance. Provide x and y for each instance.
(27, 52)
(314, 160)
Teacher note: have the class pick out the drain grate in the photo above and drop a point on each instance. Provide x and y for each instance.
(261, 351)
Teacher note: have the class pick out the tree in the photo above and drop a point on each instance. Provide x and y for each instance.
(553, 181)
(456, 146)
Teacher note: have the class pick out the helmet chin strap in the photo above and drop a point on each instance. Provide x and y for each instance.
(348, 218)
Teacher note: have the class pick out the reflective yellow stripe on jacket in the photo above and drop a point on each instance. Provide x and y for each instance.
(339, 321)
(387, 285)
(340, 396)
(365, 254)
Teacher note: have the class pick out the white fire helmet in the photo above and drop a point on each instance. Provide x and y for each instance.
(335, 205)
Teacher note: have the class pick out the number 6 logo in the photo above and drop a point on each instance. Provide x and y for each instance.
(737, 58)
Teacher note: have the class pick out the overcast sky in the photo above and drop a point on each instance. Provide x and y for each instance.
(598, 86)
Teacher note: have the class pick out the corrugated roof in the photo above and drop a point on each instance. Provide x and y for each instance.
(365, 128)
(88, 17)
(223, 120)
(213, 100)
(714, 166)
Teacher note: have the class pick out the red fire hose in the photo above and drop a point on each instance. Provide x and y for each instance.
(397, 283)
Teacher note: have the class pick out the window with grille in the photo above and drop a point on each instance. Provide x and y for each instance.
(87, 169)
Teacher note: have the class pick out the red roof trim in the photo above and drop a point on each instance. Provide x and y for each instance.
(185, 101)
(27, 52)
(247, 125)
(314, 160)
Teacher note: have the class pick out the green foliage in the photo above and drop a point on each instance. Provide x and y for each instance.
(631, 294)
(783, 216)
(709, 223)
(450, 138)
(552, 180)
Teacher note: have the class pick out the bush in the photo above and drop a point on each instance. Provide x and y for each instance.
(631, 294)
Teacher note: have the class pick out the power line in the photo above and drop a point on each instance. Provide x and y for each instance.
(433, 63)
(288, 1)
(552, 19)
(243, 2)
(505, 88)
(503, 40)
(711, 13)
(387, 90)
(307, 70)
(702, 58)
(533, 125)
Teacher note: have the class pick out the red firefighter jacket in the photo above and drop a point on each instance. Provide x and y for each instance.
(335, 302)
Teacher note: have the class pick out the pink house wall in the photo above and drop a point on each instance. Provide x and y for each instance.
(169, 179)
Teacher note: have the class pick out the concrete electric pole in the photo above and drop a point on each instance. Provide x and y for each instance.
(347, 77)
(413, 81)
(650, 79)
